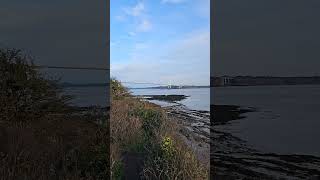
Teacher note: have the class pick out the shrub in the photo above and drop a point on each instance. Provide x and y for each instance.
(24, 92)
(144, 130)
(151, 120)
(53, 144)
(167, 147)
(118, 91)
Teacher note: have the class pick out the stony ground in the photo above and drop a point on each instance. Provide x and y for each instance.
(194, 128)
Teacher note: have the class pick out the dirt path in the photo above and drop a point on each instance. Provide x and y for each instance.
(133, 165)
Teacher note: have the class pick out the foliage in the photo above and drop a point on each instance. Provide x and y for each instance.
(118, 171)
(118, 91)
(167, 147)
(151, 120)
(143, 128)
(40, 137)
(24, 92)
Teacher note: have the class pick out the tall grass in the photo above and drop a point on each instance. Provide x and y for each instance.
(40, 138)
(141, 127)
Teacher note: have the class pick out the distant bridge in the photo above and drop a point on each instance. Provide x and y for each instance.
(100, 69)
(169, 86)
(126, 82)
(73, 67)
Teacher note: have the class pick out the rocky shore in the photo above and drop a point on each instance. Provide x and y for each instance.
(194, 129)
(233, 158)
(194, 125)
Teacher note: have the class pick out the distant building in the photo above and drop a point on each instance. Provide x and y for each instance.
(222, 81)
(227, 80)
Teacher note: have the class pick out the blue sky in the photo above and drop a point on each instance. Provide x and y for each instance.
(160, 41)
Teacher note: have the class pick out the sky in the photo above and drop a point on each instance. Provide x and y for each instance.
(266, 37)
(160, 41)
(59, 33)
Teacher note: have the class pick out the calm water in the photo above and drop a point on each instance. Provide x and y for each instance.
(88, 96)
(199, 98)
(287, 120)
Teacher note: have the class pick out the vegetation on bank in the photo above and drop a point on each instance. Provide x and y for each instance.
(41, 136)
(142, 130)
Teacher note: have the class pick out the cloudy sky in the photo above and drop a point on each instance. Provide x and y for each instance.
(266, 37)
(59, 33)
(160, 41)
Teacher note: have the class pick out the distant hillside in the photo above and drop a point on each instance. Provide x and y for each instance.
(262, 80)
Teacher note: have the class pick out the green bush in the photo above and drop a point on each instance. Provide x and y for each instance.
(24, 92)
(118, 91)
(118, 171)
(151, 120)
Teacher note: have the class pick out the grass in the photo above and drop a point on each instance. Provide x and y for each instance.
(141, 127)
(40, 136)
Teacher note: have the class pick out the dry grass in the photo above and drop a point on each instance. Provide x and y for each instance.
(140, 126)
(40, 138)
(53, 148)
(124, 130)
(174, 161)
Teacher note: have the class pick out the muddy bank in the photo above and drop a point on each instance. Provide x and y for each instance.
(194, 129)
(194, 125)
(233, 158)
(222, 114)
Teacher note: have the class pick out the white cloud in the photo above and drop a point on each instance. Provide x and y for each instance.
(144, 26)
(185, 61)
(136, 10)
(140, 18)
(131, 33)
(120, 17)
(173, 1)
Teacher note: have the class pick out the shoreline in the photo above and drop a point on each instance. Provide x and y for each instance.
(141, 127)
(234, 158)
(194, 125)
(194, 129)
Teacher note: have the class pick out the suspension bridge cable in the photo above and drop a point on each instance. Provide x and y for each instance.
(72, 67)
(92, 68)
(126, 82)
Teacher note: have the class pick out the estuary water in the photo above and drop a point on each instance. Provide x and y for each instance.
(89, 96)
(287, 120)
(198, 98)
